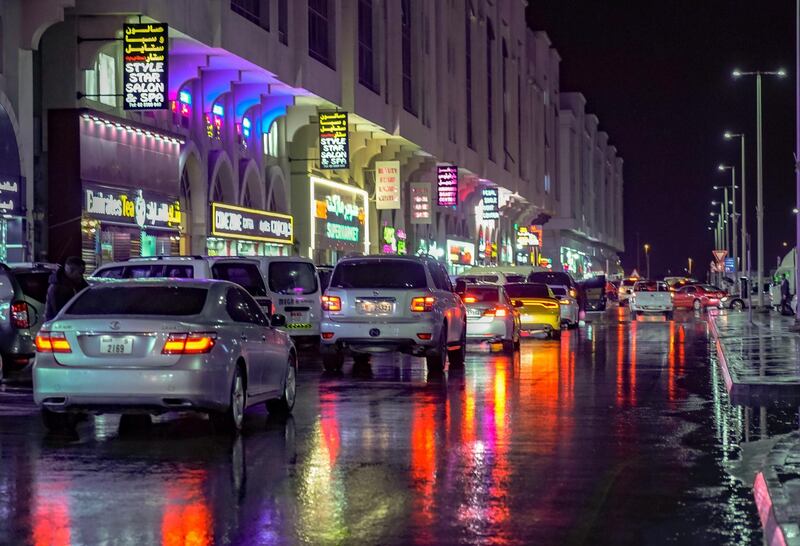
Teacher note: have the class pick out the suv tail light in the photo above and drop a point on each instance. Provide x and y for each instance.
(331, 303)
(52, 342)
(422, 304)
(496, 312)
(189, 344)
(19, 315)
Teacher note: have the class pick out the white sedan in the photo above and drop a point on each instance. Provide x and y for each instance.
(570, 310)
(491, 316)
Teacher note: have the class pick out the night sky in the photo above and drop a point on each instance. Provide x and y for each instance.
(657, 74)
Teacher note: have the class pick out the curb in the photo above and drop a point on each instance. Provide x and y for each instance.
(773, 533)
(726, 372)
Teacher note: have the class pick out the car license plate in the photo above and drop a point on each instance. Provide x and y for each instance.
(375, 306)
(473, 313)
(110, 345)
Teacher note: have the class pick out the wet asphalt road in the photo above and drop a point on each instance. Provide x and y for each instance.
(617, 434)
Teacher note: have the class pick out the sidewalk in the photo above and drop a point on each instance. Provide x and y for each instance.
(761, 364)
(761, 361)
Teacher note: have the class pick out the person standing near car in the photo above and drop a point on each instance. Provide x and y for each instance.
(65, 282)
(785, 308)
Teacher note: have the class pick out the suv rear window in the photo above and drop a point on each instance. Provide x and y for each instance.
(550, 277)
(292, 278)
(140, 300)
(483, 294)
(379, 274)
(34, 284)
(529, 290)
(246, 275)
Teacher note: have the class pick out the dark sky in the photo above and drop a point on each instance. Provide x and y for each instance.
(657, 74)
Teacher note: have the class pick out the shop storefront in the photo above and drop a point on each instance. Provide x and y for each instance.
(460, 256)
(339, 221)
(12, 195)
(239, 231)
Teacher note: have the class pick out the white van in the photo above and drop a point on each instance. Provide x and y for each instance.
(281, 285)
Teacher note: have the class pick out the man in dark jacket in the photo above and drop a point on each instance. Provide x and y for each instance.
(786, 297)
(65, 282)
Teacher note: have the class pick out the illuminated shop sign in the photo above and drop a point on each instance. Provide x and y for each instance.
(339, 216)
(145, 49)
(420, 203)
(387, 185)
(394, 240)
(334, 150)
(447, 185)
(429, 248)
(460, 253)
(490, 199)
(251, 224)
(135, 207)
(529, 236)
(11, 196)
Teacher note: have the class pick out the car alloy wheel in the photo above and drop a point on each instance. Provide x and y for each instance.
(237, 401)
(284, 404)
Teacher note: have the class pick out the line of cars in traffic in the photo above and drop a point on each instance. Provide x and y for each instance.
(217, 335)
(663, 297)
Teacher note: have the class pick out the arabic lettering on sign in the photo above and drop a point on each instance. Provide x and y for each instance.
(337, 206)
(250, 224)
(145, 51)
(10, 196)
(334, 149)
(447, 185)
(139, 208)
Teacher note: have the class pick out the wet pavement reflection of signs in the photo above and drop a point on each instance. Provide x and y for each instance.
(619, 433)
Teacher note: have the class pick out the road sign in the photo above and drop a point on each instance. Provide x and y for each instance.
(719, 255)
(730, 267)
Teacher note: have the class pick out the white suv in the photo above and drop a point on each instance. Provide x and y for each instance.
(378, 304)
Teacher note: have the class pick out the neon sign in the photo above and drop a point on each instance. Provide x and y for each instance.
(145, 50)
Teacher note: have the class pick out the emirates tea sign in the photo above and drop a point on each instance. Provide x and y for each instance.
(334, 150)
(447, 185)
(145, 49)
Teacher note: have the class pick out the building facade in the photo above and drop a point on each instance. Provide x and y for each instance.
(442, 125)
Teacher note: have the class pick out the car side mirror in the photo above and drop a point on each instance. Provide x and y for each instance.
(277, 321)
(518, 303)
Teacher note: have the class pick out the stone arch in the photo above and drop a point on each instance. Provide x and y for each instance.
(276, 199)
(221, 177)
(10, 148)
(194, 200)
(251, 185)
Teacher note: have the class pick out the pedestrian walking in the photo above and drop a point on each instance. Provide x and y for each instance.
(786, 296)
(65, 282)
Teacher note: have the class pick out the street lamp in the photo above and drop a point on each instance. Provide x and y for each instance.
(724, 214)
(742, 177)
(647, 258)
(733, 215)
(759, 175)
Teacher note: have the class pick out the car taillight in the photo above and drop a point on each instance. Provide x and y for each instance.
(422, 304)
(470, 299)
(52, 342)
(496, 312)
(189, 344)
(573, 293)
(565, 301)
(331, 303)
(19, 315)
(550, 305)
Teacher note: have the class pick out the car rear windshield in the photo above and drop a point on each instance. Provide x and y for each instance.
(534, 290)
(34, 284)
(559, 291)
(379, 274)
(292, 278)
(140, 300)
(246, 275)
(515, 278)
(147, 271)
(550, 278)
(650, 287)
(483, 294)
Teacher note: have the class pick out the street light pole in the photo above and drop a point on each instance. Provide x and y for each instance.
(647, 258)
(759, 179)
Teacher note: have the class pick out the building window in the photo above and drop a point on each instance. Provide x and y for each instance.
(489, 89)
(271, 140)
(366, 49)
(255, 11)
(468, 60)
(319, 21)
(100, 82)
(408, 69)
(283, 22)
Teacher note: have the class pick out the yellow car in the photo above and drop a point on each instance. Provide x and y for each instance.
(538, 308)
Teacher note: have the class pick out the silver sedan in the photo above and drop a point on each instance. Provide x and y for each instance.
(152, 346)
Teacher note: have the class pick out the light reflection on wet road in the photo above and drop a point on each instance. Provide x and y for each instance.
(612, 435)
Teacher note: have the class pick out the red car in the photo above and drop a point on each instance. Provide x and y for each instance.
(698, 296)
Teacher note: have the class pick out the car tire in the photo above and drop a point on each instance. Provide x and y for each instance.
(285, 404)
(457, 356)
(435, 358)
(231, 419)
(509, 346)
(59, 422)
(333, 362)
(697, 305)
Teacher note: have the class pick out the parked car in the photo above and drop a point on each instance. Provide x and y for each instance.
(593, 290)
(539, 311)
(698, 297)
(163, 345)
(651, 297)
(491, 316)
(280, 284)
(401, 304)
(570, 310)
(23, 293)
(626, 289)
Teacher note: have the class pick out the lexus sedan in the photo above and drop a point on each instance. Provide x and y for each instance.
(151, 346)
